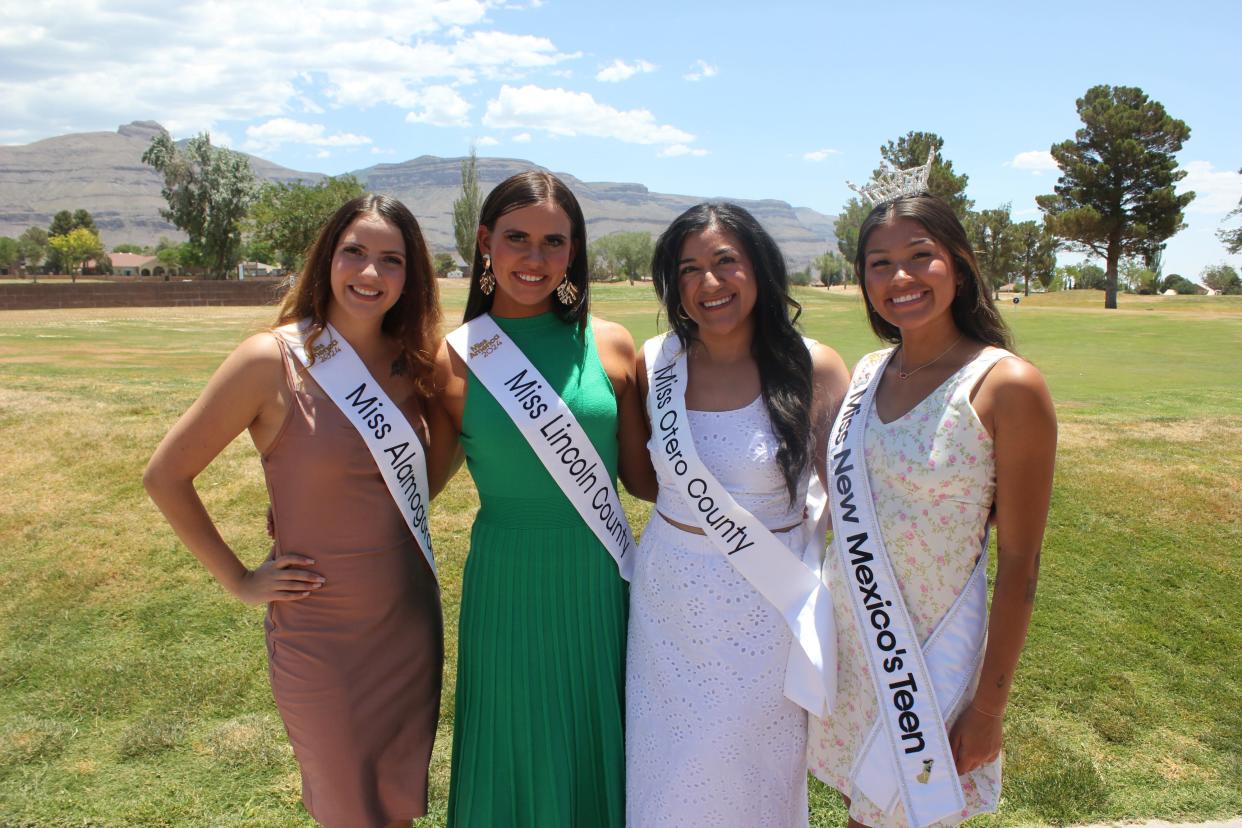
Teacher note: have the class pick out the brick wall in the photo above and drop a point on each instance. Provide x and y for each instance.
(138, 294)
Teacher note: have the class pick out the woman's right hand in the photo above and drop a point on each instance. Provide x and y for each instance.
(278, 579)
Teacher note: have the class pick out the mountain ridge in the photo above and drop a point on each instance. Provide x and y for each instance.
(103, 172)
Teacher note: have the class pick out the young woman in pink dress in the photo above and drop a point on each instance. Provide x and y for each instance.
(961, 437)
(354, 631)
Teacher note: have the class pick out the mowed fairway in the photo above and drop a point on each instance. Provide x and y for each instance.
(133, 690)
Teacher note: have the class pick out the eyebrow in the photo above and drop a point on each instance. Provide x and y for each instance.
(911, 243)
(718, 251)
(356, 243)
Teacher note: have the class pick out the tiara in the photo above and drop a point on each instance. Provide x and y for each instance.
(889, 183)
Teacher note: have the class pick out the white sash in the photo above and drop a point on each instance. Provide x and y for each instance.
(783, 578)
(390, 438)
(550, 427)
(916, 759)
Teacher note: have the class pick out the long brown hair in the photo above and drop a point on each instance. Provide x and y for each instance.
(973, 311)
(414, 321)
(525, 190)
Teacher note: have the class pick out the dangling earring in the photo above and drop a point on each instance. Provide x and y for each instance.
(487, 280)
(567, 291)
(682, 315)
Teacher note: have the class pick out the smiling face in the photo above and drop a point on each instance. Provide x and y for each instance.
(910, 277)
(368, 269)
(531, 249)
(716, 281)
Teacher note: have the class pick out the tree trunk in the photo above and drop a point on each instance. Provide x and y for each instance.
(1027, 291)
(1110, 272)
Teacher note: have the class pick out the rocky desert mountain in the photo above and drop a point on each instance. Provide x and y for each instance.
(103, 172)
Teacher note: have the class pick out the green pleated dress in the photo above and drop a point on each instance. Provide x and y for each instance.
(537, 733)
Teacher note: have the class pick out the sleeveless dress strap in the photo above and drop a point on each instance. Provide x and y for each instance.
(974, 371)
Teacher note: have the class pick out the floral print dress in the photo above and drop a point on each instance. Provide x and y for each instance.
(933, 475)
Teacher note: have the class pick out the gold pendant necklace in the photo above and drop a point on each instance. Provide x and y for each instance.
(903, 374)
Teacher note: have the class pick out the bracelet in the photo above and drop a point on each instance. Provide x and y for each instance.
(977, 709)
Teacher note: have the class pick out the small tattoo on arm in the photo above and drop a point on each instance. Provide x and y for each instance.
(399, 368)
(1000, 682)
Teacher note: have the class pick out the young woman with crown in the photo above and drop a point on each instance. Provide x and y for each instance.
(722, 667)
(354, 631)
(539, 394)
(940, 438)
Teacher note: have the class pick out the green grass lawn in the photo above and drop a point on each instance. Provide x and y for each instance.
(133, 691)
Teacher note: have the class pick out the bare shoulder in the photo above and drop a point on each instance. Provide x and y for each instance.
(448, 366)
(827, 364)
(257, 359)
(613, 337)
(1014, 391)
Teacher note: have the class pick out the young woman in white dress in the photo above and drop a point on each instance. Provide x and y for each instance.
(711, 738)
(962, 436)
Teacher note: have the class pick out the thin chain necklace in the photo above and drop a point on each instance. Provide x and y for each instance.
(903, 374)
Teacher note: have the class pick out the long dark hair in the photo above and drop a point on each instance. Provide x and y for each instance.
(784, 361)
(973, 311)
(525, 190)
(414, 321)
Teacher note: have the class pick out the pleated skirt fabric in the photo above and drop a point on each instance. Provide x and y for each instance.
(538, 727)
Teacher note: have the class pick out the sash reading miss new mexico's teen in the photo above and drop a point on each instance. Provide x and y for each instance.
(392, 441)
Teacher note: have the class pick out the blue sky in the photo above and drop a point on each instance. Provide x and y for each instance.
(748, 100)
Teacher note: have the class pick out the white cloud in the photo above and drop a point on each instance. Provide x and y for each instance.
(521, 138)
(280, 131)
(61, 70)
(487, 141)
(700, 70)
(323, 154)
(681, 149)
(820, 154)
(439, 106)
(619, 70)
(1037, 161)
(1216, 191)
(562, 112)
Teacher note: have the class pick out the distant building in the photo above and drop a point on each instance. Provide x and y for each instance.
(248, 270)
(135, 264)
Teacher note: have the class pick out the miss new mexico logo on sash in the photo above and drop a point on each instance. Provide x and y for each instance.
(390, 438)
(550, 427)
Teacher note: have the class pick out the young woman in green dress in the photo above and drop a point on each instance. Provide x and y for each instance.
(537, 735)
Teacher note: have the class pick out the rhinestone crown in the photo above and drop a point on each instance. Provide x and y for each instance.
(889, 183)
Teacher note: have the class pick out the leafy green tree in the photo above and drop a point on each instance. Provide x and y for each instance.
(466, 208)
(1232, 238)
(170, 258)
(991, 235)
(9, 253)
(834, 269)
(75, 247)
(1137, 277)
(83, 219)
(126, 247)
(33, 248)
(1221, 277)
(285, 218)
(621, 254)
(443, 263)
(1116, 195)
(1034, 253)
(912, 149)
(63, 223)
(847, 225)
(209, 191)
(1182, 285)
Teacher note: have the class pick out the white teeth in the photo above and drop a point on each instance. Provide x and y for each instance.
(909, 297)
(529, 277)
(364, 292)
(715, 303)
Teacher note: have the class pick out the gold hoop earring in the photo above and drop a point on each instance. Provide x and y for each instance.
(567, 291)
(487, 280)
(682, 315)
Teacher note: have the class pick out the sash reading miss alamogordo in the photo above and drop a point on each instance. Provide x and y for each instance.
(390, 438)
(551, 429)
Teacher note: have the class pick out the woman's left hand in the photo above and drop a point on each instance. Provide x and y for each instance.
(975, 739)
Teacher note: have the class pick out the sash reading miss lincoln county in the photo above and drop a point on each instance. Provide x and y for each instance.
(788, 582)
(907, 753)
(392, 441)
(551, 429)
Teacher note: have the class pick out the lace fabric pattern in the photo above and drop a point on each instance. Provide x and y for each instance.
(711, 738)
